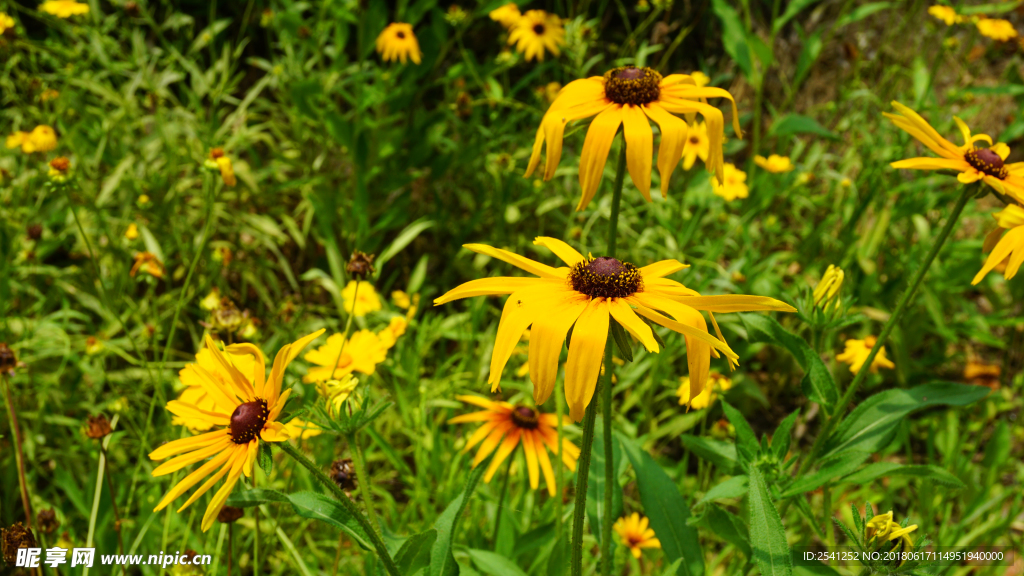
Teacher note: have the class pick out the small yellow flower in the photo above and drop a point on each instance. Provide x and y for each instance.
(211, 301)
(396, 328)
(401, 299)
(826, 293)
(846, 182)
(336, 392)
(696, 146)
(506, 15)
(297, 428)
(1005, 248)
(60, 167)
(42, 138)
(735, 185)
(716, 384)
(227, 172)
(550, 91)
(143, 199)
(132, 232)
(360, 353)
(6, 22)
(360, 298)
(881, 528)
(946, 14)
(93, 345)
(148, 263)
(774, 163)
(64, 8)
(996, 29)
(397, 42)
(48, 95)
(857, 351)
(635, 532)
(535, 32)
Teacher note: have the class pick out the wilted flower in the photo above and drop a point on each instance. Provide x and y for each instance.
(360, 265)
(229, 514)
(13, 538)
(47, 521)
(344, 474)
(8, 361)
(93, 345)
(59, 169)
(148, 263)
(97, 427)
(982, 374)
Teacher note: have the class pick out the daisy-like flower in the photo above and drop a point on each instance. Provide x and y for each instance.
(6, 22)
(363, 351)
(584, 296)
(536, 431)
(972, 163)
(716, 384)
(147, 262)
(397, 42)
(42, 138)
(1008, 247)
(774, 163)
(362, 300)
(635, 532)
(856, 353)
(628, 96)
(946, 14)
(64, 8)
(506, 15)
(996, 29)
(735, 185)
(535, 32)
(246, 407)
(696, 146)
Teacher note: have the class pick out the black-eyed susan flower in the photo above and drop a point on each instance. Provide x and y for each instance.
(734, 184)
(535, 32)
(826, 292)
(635, 533)
(584, 296)
(360, 298)
(149, 263)
(397, 42)
(506, 426)
(506, 15)
(996, 29)
(1008, 247)
(361, 353)
(715, 386)
(628, 96)
(42, 138)
(774, 163)
(946, 14)
(972, 163)
(64, 8)
(696, 145)
(856, 353)
(247, 406)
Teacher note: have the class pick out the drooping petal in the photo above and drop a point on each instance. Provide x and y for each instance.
(1012, 241)
(639, 140)
(521, 262)
(575, 93)
(683, 91)
(734, 303)
(586, 354)
(486, 287)
(545, 462)
(225, 399)
(530, 451)
(187, 444)
(683, 328)
(222, 495)
(673, 139)
(715, 121)
(179, 462)
(566, 253)
(546, 339)
(625, 316)
(521, 310)
(507, 446)
(193, 479)
(595, 151)
(246, 349)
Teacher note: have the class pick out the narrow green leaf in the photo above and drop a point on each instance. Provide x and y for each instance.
(817, 376)
(414, 554)
(404, 238)
(718, 452)
(808, 56)
(735, 487)
(839, 465)
(746, 441)
(728, 527)
(596, 512)
(442, 563)
(308, 505)
(885, 469)
(781, 437)
(767, 536)
(264, 458)
(734, 37)
(492, 563)
(861, 13)
(794, 8)
(622, 342)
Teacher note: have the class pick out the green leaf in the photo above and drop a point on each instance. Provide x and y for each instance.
(728, 527)
(767, 536)
(734, 37)
(672, 568)
(557, 561)
(794, 8)
(781, 437)
(404, 238)
(837, 466)
(995, 8)
(264, 458)
(808, 56)
(492, 563)
(667, 510)
(735, 487)
(791, 124)
(596, 513)
(414, 554)
(817, 378)
(861, 13)
(442, 563)
(880, 469)
(622, 342)
(746, 441)
(308, 505)
(303, 93)
(718, 452)
(872, 424)
(811, 568)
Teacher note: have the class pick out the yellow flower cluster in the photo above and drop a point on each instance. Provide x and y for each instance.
(994, 28)
(533, 33)
(42, 138)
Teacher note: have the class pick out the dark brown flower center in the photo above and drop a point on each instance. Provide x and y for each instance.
(538, 29)
(525, 417)
(401, 35)
(632, 85)
(247, 421)
(605, 278)
(987, 162)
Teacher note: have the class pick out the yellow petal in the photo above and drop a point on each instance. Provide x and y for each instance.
(187, 444)
(521, 262)
(734, 303)
(547, 338)
(673, 139)
(530, 451)
(661, 268)
(625, 316)
(486, 287)
(566, 253)
(179, 462)
(639, 141)
(586, 354)
(595, 151)
(507, 446)
(193, 478)
(222, 495)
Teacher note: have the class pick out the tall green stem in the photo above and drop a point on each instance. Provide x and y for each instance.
(501, 501)
(18, 456)
(901, 306)
(579, 511)
(363, 477)
(339, 494)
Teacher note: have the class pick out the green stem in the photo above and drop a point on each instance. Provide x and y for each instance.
(901, 306)
(501, 501)
(348, 328)
(363, 479)
(364, 523)
(579, 511)
(613, 219)
(18, 456)
(99, 491)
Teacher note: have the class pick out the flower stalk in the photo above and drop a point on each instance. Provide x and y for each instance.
(18, 456)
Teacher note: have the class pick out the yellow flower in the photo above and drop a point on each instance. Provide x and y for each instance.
(5, 22)
(211, 301)
(735, 185)
(143, 199)
(696, 146)
(48, 95)
(946, 14)
(64, 8)
(635, 533)
(857, 351)
(550, 91)
(297, 428)
(366, 299)
(195, 394)
(700, 78)
(397, 42)
(881, 528)
(506, 15)
(628, 96)
(827, 290)
(996, 29)
(361, 353)
(535, 32)
(536, 430)
(972, 163)
(336, 392)
(246, 407)
(1005, 247)
(227, 172)
(584, 296)
(93, 345)
(401, 299)
(774, 163)
(716, 383)
(60, 167)
(148, 263)
(42, 138)
(132, 232)
(396, 327)
(982, 374)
